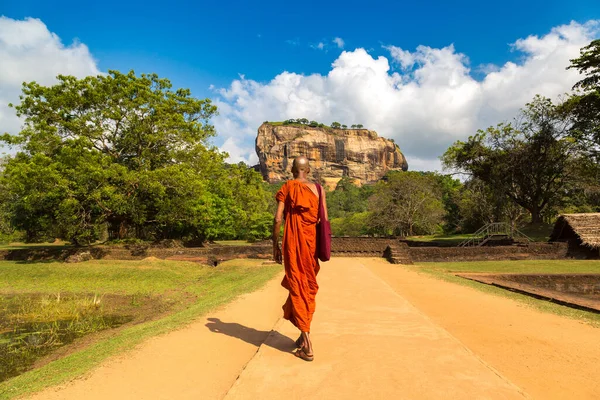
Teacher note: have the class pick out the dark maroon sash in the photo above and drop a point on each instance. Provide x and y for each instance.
(323, 231)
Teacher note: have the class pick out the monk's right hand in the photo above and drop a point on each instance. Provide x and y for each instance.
(277, 254)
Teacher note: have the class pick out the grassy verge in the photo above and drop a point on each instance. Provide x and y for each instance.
(175, 281)
(232, 242)
(523, 266)
(446, 271)
(449, 240)
(19, 246)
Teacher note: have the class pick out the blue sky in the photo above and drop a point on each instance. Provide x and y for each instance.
(199, 44)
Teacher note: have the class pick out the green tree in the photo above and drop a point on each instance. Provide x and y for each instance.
(7, 230)
(480, 204)
(584, 105)
(250, 203)
(336, 125)
(406, 204)
(348, 198)
(450, 188)
(344, 126)
(353, 225)
(530, 161)
(119, 151)
(359, 126)
(353, 126)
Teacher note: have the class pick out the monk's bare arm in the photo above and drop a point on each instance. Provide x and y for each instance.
(278, 220)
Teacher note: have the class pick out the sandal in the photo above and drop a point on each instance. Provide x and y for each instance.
(302, 354)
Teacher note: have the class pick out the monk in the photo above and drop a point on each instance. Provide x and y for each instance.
(298, 205)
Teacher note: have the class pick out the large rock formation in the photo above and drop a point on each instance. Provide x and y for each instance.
(333, 153)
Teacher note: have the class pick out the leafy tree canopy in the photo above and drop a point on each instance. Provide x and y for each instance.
(584, 105)
(127, 155)
(406, 204)
(532, 161)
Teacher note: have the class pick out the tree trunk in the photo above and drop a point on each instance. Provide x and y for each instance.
(122, 230)
(536, 216)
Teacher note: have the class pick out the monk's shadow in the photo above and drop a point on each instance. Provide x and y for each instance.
(253, 336)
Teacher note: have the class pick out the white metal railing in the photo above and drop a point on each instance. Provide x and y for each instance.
(497, 228)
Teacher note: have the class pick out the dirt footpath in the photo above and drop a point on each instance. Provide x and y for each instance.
(548, 356)
(380, 331)
(200, 361)
(369, 343)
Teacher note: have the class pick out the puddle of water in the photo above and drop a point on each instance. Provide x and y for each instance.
(23, 341)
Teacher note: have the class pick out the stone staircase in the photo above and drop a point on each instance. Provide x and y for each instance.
(398, 253)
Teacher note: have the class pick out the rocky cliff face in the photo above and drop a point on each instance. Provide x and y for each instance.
(333, 153)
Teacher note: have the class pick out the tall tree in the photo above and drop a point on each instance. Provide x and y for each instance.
(406, 203)
(7, 231)
(450, 188)
(125, 152)
(479, 204)
(531, 160)
(584, 104)
(348, 198)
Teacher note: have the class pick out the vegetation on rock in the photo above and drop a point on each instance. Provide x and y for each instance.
(314, 124)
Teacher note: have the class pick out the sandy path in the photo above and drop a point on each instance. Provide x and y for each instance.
(380, 331)
(370, 343)
(190, 363)
(549, 356)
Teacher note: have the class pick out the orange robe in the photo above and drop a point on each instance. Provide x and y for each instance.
(300, 252)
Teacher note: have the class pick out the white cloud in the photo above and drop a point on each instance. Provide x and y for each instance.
(30, 52)
(404, 57)
(432, 101)
(339, 42)
(318, 46)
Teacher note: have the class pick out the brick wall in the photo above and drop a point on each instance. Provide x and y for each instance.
(340, 247)
(357, 247)
(532, 251)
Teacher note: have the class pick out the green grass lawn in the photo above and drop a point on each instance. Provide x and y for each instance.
(232, 242)
(183, 290)
(446, 271)
(448, 240)
(19, 245)
(520, 267)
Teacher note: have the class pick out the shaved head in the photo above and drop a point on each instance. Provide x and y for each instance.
(300, 166)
